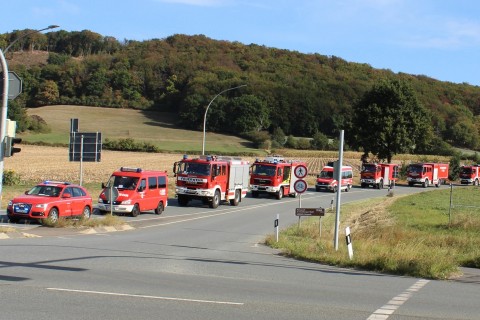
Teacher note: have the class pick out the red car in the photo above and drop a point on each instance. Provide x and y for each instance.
(52, 200)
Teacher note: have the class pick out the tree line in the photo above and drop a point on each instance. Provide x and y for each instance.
(301, 95)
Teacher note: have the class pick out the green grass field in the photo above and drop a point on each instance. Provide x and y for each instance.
(415, 235)
(143, 126)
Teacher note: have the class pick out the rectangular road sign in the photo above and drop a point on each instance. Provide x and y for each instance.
(309, 212)
(85, 146)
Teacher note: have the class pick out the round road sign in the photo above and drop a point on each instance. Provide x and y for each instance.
(300, 186)
(300, 171)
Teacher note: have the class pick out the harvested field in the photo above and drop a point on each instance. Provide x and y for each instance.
(37, 163)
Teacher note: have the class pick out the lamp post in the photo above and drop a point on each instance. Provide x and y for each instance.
(3, 112)
(205, 116)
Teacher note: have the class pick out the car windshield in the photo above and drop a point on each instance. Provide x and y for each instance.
(124, 183)
(45, 191)
(325, 174)
(263, 170)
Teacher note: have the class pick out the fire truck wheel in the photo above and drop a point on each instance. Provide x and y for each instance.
(334, 190)
(425, 184)
(349, 186)
(159, 209)
(135, 210)
(475, 183)
(280, 194)
(254, 194)
(380, 184)
(215, 200)
(182, 200)
(236, 200)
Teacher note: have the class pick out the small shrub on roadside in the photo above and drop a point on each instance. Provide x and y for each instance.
(11, 178)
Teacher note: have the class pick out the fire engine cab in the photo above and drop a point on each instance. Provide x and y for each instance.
(427, 174)
(211, 179)
(274, 176)
(470, 174)
(378, 175)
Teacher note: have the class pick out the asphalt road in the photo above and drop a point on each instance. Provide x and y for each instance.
(201, 263)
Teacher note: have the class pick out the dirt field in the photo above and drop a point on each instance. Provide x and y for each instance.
(37, 163)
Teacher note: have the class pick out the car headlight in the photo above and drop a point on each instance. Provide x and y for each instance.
(41, 206)
(100, 200)
(127, 201)
(10, 203)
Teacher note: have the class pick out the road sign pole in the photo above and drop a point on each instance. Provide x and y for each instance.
(339, 190)
(3, 117)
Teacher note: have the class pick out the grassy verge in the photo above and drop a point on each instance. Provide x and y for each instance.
(108, 220)
(412, 235)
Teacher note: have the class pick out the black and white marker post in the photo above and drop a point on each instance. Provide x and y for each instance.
(276, 227)
(348, 238)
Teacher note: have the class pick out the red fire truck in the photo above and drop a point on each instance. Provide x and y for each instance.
(326, 180)
(427, 174)
(274, 176)
(378, 175)
(211, 179)
(470, 174)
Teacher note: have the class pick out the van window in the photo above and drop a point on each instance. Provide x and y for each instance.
(162, 182)
(347, 174)
(152, 183)
(143, 185)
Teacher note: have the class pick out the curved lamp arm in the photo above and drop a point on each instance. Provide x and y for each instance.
(205, 116)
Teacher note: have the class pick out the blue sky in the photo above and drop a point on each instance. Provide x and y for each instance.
(436, 38)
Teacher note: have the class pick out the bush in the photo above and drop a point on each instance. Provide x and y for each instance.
(11, 178)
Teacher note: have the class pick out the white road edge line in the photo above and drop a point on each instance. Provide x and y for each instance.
(387, 310)
(146, 296)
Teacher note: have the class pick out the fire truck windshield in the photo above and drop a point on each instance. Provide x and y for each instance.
(201, 169)
(466, 171)
(326, 175)
(369, 168)
(263, 170)
(124, 183)
(415, 169)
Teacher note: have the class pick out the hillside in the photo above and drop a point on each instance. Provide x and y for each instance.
(300, 93)
(149, 126)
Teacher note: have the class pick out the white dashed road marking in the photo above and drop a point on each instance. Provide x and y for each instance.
(385, 311)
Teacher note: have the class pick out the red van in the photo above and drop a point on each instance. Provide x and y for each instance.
(326, 180)
(133, 191)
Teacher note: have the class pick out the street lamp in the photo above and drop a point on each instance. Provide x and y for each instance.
(205, 116)
(3, 112)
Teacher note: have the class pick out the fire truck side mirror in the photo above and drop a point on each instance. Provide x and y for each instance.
(175, 169)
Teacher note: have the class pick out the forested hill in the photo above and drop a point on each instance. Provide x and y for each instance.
(300, 93)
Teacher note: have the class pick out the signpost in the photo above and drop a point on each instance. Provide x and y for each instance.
(310, 212)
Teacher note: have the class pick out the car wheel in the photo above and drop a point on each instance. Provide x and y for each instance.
(13, 219)
(159, 209)
(135, 210)
(215, 200)
(236, 200)
(53, 216)
(86, 213)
